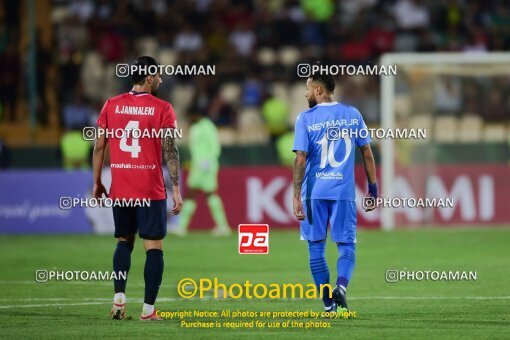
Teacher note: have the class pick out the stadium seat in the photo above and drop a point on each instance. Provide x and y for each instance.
(298, 101)
(266, 56)
(289, 56)
(167, 56)
(421, 121)
(402, 105)
(446, 129)
(92, 74)
(251, 127)
(147, 46)
(111, 84)
(227, 136)
(181, 97)
(470, 128)
(231, 92)
(494, 133)
(281, 91)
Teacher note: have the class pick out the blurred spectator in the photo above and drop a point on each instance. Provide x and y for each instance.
(9, 81)
(275, 112)
(75, 150)
(252, 91)
(188, 39)
(284, 145)
(448, 94)
(77, 113)
(221, 112)
(5, 155)
(495, 111)
(243, 40)
(42, 66)
(318, 10)
(411, 14)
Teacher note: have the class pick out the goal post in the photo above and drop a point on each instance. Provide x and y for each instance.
(426, 71)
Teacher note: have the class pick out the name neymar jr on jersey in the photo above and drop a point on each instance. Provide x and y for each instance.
(333, 123)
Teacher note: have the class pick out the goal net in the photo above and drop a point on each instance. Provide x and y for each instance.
(462, 101)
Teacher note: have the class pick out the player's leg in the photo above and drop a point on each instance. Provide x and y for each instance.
(125, 231)
(314, 230)
(189, 205)
(210, 187)
(343, 232)
(218, 213)
(188, 209)
(152, 228)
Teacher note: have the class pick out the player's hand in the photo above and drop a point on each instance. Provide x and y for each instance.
(369, 202)
(176, 196)
(99, 190)
(298, 208)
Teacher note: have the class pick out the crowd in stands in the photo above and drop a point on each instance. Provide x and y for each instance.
(255, 46)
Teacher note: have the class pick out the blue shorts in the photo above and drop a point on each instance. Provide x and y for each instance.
(339, 215)
(149, 222)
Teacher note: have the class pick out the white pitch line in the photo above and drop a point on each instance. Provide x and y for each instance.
(100, 301)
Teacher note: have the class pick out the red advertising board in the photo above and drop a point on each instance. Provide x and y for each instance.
(263, 195)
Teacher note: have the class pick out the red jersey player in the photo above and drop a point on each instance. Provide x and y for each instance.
(135, 158)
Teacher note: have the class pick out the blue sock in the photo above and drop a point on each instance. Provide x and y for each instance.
(121, 263)
(346, 262)
(319, 268)
(153, 274)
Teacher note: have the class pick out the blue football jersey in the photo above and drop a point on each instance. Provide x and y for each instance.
(328, 133)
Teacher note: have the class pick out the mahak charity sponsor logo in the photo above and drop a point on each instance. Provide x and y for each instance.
(133, 166)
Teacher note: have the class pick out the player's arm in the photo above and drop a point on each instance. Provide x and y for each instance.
(97, 165)
(171, 155)
(298, 172)
(369, 164)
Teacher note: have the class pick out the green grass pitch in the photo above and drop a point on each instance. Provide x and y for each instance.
(408, 309)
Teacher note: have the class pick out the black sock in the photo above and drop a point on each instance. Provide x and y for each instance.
(153, 274)
(121, 263)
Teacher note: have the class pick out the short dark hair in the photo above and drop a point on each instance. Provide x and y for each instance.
(325, 79)
(142, 63)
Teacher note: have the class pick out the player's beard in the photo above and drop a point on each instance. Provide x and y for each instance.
(154, 90)
(312, 102)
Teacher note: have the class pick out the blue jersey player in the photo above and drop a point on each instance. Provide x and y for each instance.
(323, 176)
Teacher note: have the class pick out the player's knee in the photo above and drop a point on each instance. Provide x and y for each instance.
(347, 251)
(152, 244)
(317, 246)
(130, 238)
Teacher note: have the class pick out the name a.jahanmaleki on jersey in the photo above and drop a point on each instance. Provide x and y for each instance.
(135, 110)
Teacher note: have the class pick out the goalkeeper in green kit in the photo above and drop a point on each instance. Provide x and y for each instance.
(205, 151)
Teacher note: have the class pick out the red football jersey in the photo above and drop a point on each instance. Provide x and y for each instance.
(136, 163)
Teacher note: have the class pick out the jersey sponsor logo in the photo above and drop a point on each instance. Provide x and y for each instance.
(133, 166)
(329, 175)
(253, 238)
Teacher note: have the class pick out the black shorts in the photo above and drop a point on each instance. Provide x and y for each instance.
(149, 222)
